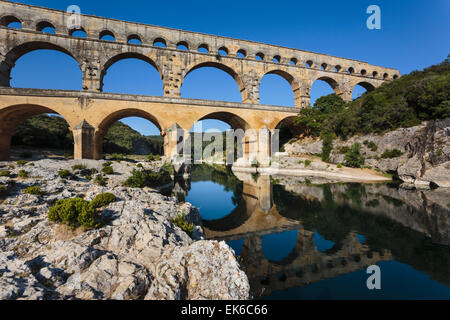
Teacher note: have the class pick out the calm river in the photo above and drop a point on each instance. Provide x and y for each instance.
(306, 240)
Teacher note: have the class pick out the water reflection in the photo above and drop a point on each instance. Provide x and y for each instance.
(296, 239)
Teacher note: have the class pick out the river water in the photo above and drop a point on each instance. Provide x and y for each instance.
(300, 238)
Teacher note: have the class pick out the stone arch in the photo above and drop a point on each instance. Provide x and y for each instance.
(106, 32)
(333, 83)
(82, 29)
(217, 65)
(6, 19)
(127, 55)
(184, 44)
(20, 50)
(293, 82)
(234, 120)
(11, 117)
(108, 120)
(134, 36)
(366, 85)
(42, 24)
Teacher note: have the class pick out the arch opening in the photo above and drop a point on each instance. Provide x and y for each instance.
(11, 22)
(107, 35)
(33, 131)
(132, 73)
(276, 59)
(183, 45)
(223, 51)
(259, 56)
(277, 88)
(203, 48)
(361, 88)
(321, 87)
(293, 61)
(160, 42)
(32, 60)
(211, 81)
(241, 53)
(128, 132)
(45, 26)
(78, 33)
(134, 39)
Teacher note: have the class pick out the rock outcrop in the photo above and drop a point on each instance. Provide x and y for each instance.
(138, 254)
(424, 159)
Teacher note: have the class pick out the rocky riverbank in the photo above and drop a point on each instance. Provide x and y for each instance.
(138, 254)
(419, 156)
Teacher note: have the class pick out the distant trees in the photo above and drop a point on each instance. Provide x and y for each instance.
(405, 102)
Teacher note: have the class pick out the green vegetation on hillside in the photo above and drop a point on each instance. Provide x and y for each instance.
(418, 96)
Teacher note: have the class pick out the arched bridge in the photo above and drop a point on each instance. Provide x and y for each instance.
(174, 53)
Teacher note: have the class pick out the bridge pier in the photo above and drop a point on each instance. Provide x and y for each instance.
(174, 138)
(5, 145)
(83, 139)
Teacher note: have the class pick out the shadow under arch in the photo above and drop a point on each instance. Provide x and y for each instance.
(366, 85)
(333, 83)
(11, 117)
(230, 71)
(127, 55)
(20, 50)
(102, 128)
(235, 121)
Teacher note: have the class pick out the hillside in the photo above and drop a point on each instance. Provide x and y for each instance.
(51, 131)
(405, 102)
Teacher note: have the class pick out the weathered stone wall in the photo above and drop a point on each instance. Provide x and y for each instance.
(95, 56)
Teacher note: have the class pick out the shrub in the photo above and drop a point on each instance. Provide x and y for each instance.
(181, 222)
(141, 179)
(108, 170)
(33, 190)
(5, 173)
(100, 180)
(63, 174)
(344, 150)
(389, 154)
(31, 164)
(150, 157)
(11, 166)
(93, 171)
(371, 145)
(139, 165)
(307, 162)
(107, 164)
(103, 200)
(339, 166)
(353, 158)
(3, 191)
(78, 167)
(327, 146)
(168, 167)
(22, 174)
(74, 212)
(22, 162)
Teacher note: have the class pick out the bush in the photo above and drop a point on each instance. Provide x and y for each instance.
(93, 171)
(139, 165)
(102, 200)
(74, 212)
(327, 146)
(371, 145)
(33, 190)
(78, 167)
(142, 178)
(108, 170)
(181, 222)
(168, 167)
(389, 154)
(343, 150)
(339, 166)
(3, 191)
(22, 162)
(353, 158)
(307, 163)
(63, 174)
(5, 173)
(22, 174)
(100, 180)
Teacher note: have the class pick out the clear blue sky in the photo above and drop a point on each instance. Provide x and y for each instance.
(414, 34)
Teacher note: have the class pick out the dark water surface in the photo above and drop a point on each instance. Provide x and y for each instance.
(300, 240)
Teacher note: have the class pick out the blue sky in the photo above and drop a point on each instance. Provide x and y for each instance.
(414, 34)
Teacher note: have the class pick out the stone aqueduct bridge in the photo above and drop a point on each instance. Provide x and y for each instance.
(89, 112)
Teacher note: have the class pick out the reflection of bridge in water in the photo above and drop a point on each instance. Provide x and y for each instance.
(256, 215)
